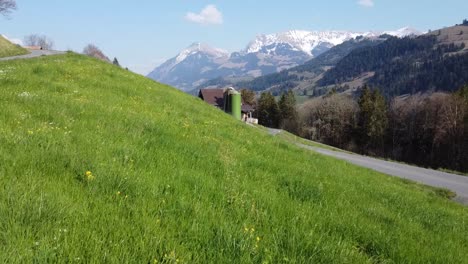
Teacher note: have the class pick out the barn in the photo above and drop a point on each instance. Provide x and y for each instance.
(225, 99)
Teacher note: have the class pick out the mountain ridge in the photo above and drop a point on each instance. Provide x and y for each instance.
(433, 61)
(265, 54)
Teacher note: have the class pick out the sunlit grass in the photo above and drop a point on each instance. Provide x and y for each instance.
(298, 140)
(8, 49)
(101, 165)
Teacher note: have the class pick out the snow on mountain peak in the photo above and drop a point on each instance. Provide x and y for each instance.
(403, 32)
(200, 47)
(265, 54)
(302, 40)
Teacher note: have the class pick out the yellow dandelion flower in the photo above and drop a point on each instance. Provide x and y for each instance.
(246, 229)
(118, 193)
(88, 173)
(258, 239)
(252, 230)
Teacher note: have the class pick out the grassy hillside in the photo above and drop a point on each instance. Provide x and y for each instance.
(8, 49)
(100, 165)
(456, 35)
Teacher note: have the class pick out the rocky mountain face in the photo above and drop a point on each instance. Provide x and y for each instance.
(265, 55)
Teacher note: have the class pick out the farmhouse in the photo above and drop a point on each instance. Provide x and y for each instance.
(228, 100)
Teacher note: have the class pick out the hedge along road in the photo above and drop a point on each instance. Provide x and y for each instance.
(453, 182)
(34, 54)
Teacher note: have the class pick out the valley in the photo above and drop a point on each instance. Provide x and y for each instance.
(298, 146)
(266, 54)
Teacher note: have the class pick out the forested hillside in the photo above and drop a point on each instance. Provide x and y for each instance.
(437, 61)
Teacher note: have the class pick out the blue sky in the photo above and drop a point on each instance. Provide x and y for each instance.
(144, 33)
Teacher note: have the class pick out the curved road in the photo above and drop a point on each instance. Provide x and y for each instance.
(453, 182)
(34, 54)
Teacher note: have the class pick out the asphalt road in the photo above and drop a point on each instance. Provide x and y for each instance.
(34, 54)
(453, 182)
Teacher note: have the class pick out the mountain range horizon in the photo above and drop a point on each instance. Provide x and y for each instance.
(399, 33)
(267, 53)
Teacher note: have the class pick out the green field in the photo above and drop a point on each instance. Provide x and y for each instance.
(289, 137)
(100, 165)
(8, 49)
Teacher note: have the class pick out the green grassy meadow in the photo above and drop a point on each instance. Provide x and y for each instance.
(295, 139)
(100, 165)
(8, 49)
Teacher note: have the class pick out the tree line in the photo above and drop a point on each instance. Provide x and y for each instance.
(429, 130)
(281, 114)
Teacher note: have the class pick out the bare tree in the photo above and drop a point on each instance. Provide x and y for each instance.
(428, 130)
(93, 51)
(6, 6)
(39, 40)
(330, 119)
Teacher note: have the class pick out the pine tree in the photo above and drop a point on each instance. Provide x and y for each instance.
(116, 62)
(373, 120)
(379, 120)
(365, 112)
(288, 118)
(268, 112)
(463, 94)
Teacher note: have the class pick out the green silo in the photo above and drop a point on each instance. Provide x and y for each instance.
(236, 102)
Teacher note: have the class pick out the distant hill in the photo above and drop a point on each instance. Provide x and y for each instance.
(266, 54)
(8, 49)
(300, 77)
(437, 61)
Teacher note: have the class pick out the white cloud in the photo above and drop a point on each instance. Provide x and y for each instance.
(210, 15)
(13, 40)
(366, 3)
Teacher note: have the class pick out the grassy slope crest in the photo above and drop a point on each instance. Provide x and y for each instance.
(8, 49)
(172, 179)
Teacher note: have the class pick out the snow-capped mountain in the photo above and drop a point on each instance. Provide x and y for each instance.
(193, 65)
(265, 54)
(301, 40)
(404, 32)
